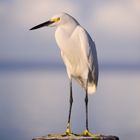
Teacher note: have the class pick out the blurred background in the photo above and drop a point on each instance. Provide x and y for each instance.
(34, 88)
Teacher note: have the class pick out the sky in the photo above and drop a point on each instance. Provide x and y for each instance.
(113, 25)
(28, 109)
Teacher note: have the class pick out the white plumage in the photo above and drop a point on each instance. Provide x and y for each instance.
(79, 55)
(78, 52)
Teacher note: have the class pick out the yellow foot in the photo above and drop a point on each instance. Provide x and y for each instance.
(67, 133)
(86, 133)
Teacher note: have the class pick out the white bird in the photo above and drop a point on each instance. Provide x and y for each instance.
(78, 52)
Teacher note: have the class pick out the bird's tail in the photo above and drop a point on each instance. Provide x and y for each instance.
(91, 88)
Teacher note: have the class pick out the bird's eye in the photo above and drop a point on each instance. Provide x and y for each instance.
(58, 19)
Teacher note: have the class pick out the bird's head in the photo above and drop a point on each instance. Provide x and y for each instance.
(57, 20)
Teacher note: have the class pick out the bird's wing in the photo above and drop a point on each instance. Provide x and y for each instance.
(89, 52)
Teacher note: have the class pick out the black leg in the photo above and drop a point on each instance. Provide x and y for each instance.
(71, 101)
(86, 132)
(68, 130)
(86, 104)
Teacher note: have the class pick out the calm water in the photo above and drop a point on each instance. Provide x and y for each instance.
(35, 102)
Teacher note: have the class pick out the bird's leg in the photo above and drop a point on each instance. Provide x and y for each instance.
(70, 101)
(68, 130)
(86, 132)
(86, 105)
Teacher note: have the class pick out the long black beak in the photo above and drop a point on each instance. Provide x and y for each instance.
(42, 25)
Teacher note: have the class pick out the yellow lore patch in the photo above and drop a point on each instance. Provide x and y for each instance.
(55, 19)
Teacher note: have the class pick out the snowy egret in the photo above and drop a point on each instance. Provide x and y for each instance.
(78, 52)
